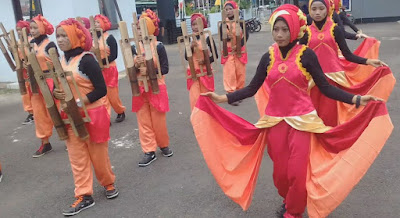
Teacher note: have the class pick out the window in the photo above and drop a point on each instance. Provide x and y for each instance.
(110, 9)
(26, 9)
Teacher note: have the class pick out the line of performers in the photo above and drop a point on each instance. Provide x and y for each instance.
(323, 117)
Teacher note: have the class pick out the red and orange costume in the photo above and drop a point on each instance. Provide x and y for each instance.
(205, 83)
(26, 99)
(234, 67)
(151, 108)
(83, 154)
(315, 165)
(110, 73)
(43, 122)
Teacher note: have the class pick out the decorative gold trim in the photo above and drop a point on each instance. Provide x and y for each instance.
(300, 65)
(310, 122)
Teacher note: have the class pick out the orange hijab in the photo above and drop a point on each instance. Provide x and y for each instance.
(78, 35)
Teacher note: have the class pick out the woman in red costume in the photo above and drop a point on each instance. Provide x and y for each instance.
(75, 41)
(40, 28)
(110, 73)
(151, 109)
(26, 99)
(315, 165)
(234, 67)
(204, 83)
(325, 38)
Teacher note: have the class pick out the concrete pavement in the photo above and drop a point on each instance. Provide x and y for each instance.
(180, 186)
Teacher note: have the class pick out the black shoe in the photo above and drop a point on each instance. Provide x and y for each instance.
(44, 148)
(81, 203)
(28, 120)
(111, 191)
(166, 152)
(1, 176)
(234, 104)
(281, 211)
(148, 158)
(120, 117)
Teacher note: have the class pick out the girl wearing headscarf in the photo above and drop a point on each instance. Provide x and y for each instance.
(312, 162)
(40, 28)
(26, 99)
(325, 38)
(204, 83)
(151, 109)
(234, 67)
(75, 41)
(111, 73)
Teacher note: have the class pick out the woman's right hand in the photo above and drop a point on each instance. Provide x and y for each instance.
(215, 97)
(139, 60)
(59, 94)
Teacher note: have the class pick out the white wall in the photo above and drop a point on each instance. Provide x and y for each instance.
(56, 11)
(8, 19)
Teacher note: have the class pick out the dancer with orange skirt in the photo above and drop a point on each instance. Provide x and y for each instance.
(26, 99)
(205, 83)
(75, 41)
(151, 109)
(314, 164)
(326, 38)
(109, 50)
(40, 28)
(234, 67)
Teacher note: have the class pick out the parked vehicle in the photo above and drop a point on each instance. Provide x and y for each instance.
(253, 25)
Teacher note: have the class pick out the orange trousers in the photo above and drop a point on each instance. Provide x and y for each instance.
(234, 74)
(195, 90)
(43, 122)
(82, 155)
(26, 99)
(114, 101)
(152, 124)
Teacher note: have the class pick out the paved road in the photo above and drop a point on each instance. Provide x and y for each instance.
(180, 186)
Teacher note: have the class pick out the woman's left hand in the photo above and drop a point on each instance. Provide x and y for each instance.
(367, 98)
(376, 63)
(362, 35)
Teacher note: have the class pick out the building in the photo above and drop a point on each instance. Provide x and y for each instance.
(56, 11)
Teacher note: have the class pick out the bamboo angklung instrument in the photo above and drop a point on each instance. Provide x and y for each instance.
(96, 46)
(126, 50)
(75, 118)
(48, 96)
(227, 26)
(18, 63)
(204, 46)
(185, 40)
(27, 48)
(151, 69)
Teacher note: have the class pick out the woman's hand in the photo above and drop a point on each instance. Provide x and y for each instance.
(365, 99)
(194, 44)
(376, 63)
(361, 35)
(215, 97)
(59, 94)
(139, 60)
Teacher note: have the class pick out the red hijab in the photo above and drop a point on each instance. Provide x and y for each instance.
(295, 19)
(78, 35)
(194, 17)
(23, 24)
(105, 23)
(45, 27)
(231, 3)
